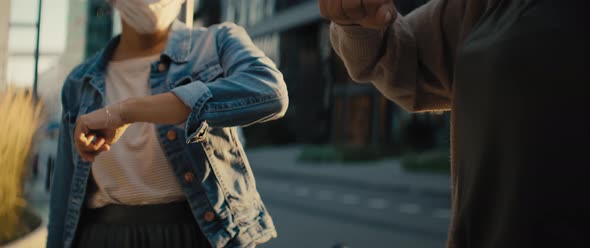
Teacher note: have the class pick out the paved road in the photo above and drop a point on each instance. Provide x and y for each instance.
(310, 212)
(357, 205)
(322, 215)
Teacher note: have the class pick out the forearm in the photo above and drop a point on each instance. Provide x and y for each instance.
(359, 48)
(412, 61)
(387, 58)
(164, 108)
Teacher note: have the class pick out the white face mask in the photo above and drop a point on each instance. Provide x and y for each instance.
(148, 16)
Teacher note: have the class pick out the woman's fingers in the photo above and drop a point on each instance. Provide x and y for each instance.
(85, 140)
(88, 144)
(97, 144)
(81, 132)
(106, 148)
(90, 155)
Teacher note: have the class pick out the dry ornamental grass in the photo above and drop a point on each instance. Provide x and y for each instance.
(19, 120)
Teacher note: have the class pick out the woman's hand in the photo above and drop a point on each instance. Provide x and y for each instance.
(96, 131)
(375, 14)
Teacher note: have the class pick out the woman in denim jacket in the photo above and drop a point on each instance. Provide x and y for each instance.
(148, 151)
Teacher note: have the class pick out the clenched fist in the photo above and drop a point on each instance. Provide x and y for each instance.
(375, 14)
(95, 132)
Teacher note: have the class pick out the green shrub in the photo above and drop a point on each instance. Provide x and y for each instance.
(335, 153)
(435, 161)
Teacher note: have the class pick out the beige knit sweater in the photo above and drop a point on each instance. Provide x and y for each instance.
(514, 74)
(412, 61)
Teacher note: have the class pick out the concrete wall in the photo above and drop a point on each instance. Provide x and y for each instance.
(4, 28)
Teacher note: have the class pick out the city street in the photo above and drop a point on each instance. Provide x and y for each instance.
(369, 204)
(313, 210)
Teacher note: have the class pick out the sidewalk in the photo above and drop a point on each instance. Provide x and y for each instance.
(380, 175)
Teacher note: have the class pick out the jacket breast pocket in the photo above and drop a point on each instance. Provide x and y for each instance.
(209, 73)
(206, 74)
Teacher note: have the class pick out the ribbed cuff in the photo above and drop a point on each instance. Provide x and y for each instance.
(356, 42)
(357, 31)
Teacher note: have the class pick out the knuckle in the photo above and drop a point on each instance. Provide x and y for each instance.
(348, 4)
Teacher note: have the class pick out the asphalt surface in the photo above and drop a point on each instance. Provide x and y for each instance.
(317, 210)
(316, 214)
(365, 205)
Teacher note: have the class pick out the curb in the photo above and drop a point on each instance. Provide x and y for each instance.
(373, 186)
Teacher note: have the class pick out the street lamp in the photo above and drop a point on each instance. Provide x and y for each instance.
(35, 96)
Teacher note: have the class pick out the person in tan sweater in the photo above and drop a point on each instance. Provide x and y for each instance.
(514, 74)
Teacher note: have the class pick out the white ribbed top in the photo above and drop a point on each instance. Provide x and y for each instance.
(135, 171)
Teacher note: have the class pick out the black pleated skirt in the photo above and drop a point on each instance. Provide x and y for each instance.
(164, 225)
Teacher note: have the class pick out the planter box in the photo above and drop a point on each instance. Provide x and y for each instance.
(35, 239)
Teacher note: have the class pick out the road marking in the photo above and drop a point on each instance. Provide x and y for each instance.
(377, 203)
(350, 199)
(409, 208)
(302, 191)
(441, 213)
(325, 195)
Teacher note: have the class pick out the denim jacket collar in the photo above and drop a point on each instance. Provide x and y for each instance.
(177, 50)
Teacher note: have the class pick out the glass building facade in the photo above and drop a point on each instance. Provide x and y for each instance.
(99, 26)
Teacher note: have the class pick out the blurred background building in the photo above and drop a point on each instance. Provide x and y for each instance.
(393, 197)
(327, 107)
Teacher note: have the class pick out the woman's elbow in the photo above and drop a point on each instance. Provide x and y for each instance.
(281, 94)
(276, 108)
(276, 94)
(282, 106)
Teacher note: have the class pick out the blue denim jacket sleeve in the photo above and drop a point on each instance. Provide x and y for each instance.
(62, 178)
(251, 91)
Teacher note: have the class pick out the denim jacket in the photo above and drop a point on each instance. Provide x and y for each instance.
(227, 82)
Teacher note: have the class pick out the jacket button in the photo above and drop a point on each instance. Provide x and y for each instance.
(171, 135)
(162, 67)
(209, 216)
(189, 177)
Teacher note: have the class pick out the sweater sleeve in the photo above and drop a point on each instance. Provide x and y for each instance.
(411, 62)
